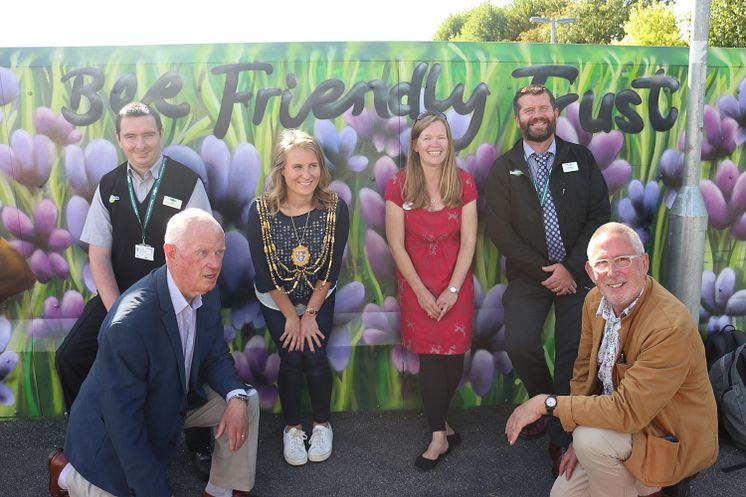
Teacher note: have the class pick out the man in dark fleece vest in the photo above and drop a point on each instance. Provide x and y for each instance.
(124, 229)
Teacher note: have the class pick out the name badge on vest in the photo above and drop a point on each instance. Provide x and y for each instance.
(145, 252)
(570, 167)
(171, 202)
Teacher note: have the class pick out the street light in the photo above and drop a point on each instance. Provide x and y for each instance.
(553, 21)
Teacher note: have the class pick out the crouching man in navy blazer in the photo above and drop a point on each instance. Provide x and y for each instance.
(162, 364)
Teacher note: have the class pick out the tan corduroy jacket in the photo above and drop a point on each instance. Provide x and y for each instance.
(661, 388)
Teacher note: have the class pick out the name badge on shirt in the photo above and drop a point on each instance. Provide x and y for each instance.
(570, 167)
(175, 202)
(145, 252)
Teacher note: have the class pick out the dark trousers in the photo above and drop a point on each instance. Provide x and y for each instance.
(439, 379)
(526, 306)
(294, 364)
(75, 357)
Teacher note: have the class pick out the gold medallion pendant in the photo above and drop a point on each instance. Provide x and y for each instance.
(300, 255)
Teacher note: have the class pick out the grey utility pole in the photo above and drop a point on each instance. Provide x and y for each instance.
(553, 21)
(688, 217)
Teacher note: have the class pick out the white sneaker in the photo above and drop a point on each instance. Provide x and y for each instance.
(321, 443)
(294, 447)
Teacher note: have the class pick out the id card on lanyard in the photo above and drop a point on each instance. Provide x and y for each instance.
(144, 251)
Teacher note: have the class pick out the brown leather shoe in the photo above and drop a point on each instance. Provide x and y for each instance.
(556, 452)
(57, 461)
(536, 429)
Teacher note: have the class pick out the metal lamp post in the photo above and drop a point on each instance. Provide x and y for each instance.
(553, 21)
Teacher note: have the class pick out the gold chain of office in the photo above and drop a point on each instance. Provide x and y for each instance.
(280, 273)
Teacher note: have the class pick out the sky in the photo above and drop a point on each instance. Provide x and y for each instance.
(67, 23)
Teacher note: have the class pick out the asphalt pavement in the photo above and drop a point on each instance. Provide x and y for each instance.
(374, 453)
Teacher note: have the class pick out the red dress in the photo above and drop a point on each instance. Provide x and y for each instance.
(432, 240)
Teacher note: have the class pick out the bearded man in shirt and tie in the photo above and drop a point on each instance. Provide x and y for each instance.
(545, 198)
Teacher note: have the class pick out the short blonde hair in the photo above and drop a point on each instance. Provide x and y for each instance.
(613, 228)
(178, 225)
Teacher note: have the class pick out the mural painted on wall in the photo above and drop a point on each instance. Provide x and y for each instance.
(222, 107)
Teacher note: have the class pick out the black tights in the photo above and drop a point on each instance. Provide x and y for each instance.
(439, 378)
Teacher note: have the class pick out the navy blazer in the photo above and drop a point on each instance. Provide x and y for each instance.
(126, 422)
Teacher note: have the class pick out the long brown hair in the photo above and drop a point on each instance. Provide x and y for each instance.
(414, 190)
(277, 190)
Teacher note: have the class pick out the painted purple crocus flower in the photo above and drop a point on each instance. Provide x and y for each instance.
(605, 148)
(55, 127)
(720, 300)
(260, 369)
(339, 348)
(8, 362)
(383, 170)
(57, 317)
(27, 159)
(190, 158)
(478, 166)
(381, 327)
(76, 213)
(348, 302)
(637, 210)
(725, 200)
(236, 282)
(379, 257)
(487, 355)
(735, 108)
(719, 139)
(671, 168)
(84, 169)
(39, 239)
(339, 147)
(383, 133)
(9, 88)
(341, 189)
(232, 179)
(372, 209)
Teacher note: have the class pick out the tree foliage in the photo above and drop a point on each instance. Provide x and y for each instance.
(653, 24)
(597, 21)
(727, 23)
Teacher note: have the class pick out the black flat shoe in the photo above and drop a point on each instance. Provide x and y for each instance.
(426, 464)
(454, 439)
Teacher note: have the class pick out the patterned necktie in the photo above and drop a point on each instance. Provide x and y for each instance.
(551, 225)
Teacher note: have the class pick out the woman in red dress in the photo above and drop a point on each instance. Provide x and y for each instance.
(431, 226)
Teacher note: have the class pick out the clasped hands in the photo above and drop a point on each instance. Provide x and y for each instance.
(561, 281)
(437, 308)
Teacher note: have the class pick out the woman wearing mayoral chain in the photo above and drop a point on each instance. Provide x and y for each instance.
(297, 233)
(431, 226)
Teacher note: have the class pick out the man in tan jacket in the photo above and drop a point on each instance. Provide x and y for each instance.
(641, 410)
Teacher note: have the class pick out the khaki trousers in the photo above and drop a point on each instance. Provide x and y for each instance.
(600, 471)
(233, 470)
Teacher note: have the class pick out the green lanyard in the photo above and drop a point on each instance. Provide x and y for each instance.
(151, 202)
(542, 195)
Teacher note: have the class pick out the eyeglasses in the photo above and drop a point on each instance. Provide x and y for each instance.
(435, 113)
(619, 262)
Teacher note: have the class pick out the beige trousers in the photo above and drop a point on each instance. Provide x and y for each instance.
(600, 471)
(234, 470)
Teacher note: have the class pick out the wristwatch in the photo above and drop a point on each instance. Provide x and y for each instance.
(550, 403)
(453, 290)
(312, 310)
(241, 396)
